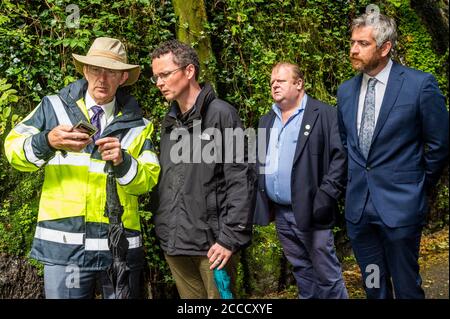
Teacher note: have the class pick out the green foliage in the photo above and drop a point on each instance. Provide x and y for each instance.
(7, 96)
(263, 258)
(18, 214)
(416, 46)
(36, 48)
(153, 253)
(18, 202)
(247, 38)
(250, 36)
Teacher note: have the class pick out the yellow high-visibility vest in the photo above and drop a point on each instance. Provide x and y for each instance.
(72, 226)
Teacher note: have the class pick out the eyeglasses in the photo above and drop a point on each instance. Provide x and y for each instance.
(95, 70)
(165, 75)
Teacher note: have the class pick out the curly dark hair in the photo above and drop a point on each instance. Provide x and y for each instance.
(183, 54)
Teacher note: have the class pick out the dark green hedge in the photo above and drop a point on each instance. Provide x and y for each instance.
(247, 37)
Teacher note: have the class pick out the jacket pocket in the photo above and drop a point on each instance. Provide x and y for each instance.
(405, 177)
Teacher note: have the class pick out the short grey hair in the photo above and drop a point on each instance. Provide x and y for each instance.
(384, 27)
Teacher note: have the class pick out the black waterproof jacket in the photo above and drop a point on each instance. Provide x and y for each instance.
(202, 201)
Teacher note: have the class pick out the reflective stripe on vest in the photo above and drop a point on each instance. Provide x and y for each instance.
(92, 244)
(60, 110)
(131, 136)
(26, 129)
(79, 159)
(59, 236)
(130, 175)
(29, 154)
(149, 157)
(98, 244)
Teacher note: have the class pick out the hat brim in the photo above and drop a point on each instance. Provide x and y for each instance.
(104, 62)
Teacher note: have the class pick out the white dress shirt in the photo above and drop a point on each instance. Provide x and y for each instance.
(108, 110)
(380, 87)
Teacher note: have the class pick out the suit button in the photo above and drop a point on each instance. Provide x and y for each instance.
(368, 168)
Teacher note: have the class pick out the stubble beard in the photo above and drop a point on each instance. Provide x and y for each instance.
(365, 67)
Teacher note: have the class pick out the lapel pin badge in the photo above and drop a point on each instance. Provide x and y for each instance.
(307, 126)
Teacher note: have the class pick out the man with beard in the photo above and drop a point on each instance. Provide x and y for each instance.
(394, 124)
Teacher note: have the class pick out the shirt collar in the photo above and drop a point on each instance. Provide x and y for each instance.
(299, 108)
(383, 75)
(108, 108)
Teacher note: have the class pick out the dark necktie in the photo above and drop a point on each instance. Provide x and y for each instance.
(95, 120)
(368, 118)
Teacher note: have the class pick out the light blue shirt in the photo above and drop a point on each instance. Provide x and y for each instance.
(280, 154)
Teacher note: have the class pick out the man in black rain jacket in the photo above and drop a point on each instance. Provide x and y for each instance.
(206, 185)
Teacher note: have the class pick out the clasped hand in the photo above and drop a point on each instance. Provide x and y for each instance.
(64, 137)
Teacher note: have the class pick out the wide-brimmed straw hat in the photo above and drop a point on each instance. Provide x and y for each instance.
(110, 54)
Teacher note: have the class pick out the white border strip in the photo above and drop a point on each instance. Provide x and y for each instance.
(97, 244)
(149, 157)
(131, 136)
(26, 129)
(130, 175)
(29, 153)
(72, 159)
(79, 159)
(58, 236)
(97, 167)
(59, 109)
(91, 244)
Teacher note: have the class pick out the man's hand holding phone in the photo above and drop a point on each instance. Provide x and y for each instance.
(69, 138)
(85, 127)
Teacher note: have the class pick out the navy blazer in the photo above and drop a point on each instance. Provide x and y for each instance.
(408, 151)
(318, 170)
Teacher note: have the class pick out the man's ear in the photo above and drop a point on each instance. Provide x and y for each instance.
(190, 68)
(299, 84)
(386, 48)
(124, 77)
(85, 71)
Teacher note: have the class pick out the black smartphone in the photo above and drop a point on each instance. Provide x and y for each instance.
(85, 127)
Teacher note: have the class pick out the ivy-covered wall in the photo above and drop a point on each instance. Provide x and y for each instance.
(247, 37)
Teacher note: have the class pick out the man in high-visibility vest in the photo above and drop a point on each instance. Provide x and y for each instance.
(71, 234)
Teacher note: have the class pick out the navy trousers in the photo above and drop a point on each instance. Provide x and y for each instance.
(316, 267)
(388, 257)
